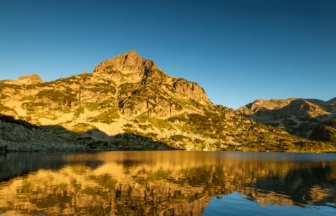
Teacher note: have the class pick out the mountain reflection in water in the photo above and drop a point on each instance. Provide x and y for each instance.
(166, 183)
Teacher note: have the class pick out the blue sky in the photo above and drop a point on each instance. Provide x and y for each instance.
(239, 50)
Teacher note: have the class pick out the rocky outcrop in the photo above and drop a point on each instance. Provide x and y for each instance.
(31, 79)
(152, 101)
(18, 133)
(28, 80)
(129, 62)
(55, 99)
(20, 137)
(116, 76)
(190, 89)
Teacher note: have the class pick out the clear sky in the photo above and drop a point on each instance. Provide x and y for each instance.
(238, 50)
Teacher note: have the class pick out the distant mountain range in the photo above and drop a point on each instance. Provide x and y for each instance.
(307, 118)
(129, 103)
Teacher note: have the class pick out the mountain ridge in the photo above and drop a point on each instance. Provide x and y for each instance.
(298, 116)
(131, 95)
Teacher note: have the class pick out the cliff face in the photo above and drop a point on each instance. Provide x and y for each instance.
(297, 116)
(144, 88)
(130, 94)
(129, 62)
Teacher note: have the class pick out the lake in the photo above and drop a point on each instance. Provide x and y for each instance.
(167, 183)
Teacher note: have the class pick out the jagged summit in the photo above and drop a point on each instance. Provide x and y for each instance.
(129, 62)
(130, 67)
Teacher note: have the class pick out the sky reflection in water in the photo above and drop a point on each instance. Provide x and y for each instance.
(167, 183)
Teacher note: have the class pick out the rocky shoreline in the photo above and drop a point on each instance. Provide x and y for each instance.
(40, 147)
(19, 136)
(16, 136)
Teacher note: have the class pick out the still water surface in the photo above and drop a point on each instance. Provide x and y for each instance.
(167, 183)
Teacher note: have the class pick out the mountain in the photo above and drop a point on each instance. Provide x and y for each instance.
(129, 103)
(297, 116)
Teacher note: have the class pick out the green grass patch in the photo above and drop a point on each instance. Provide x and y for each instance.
(158, 123)
(79, 111)
(28, 98)
(107, 117)
(92, 106)
(66, 110)
(125, 77)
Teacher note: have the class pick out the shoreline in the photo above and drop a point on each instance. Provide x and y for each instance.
(82, 148)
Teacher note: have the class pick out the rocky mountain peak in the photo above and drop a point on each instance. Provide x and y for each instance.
(263, 104)
(130, 62)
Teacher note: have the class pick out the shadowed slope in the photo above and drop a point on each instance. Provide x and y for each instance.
(325, 131)
(297, 116)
